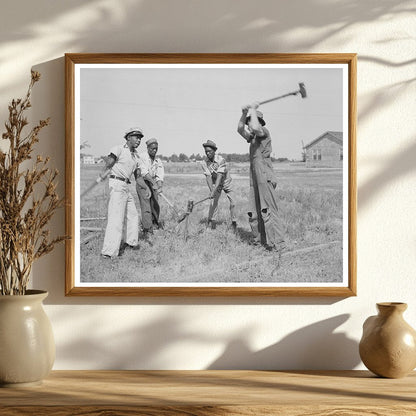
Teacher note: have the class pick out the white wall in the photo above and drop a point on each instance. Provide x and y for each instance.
(200, 333)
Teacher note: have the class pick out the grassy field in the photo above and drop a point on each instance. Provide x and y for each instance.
(310, 208)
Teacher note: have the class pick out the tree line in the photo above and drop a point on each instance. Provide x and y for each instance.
(182, 157)
(229, 157)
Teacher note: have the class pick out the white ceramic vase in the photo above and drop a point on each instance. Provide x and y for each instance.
(27, 346)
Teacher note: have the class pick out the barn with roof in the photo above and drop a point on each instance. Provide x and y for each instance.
(325, 151)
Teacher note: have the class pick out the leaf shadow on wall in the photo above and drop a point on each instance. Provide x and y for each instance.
(393, 169)
(138, 346)
(152, 345)
(402, 163)
(221, 26)
(316, 346)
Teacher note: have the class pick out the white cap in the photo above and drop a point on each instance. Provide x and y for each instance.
(134, 131)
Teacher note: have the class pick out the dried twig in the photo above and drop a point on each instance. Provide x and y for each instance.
(24, 216)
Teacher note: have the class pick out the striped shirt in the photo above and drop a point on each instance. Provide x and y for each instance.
(213, 168)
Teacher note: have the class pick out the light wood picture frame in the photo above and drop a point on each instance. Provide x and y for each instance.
(183, 100)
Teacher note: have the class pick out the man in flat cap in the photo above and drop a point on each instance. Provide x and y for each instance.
(152, 171)
(121, 165)
(218, 179)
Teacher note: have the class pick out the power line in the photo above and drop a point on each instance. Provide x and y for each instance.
(190, 108)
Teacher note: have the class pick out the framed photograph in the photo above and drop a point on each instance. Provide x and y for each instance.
(211, 174)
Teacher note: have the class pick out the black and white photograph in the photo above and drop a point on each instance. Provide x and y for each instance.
(211, 175)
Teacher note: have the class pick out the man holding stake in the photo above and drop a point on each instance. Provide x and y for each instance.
(218, 179)
(152, 171)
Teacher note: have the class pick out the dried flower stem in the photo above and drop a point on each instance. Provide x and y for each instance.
(23, 217)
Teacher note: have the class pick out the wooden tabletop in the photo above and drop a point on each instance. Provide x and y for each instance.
(202, 393)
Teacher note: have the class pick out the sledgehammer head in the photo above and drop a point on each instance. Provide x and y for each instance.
(302, 90)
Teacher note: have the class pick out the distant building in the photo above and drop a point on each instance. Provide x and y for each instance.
(325, 151)
(88, 160)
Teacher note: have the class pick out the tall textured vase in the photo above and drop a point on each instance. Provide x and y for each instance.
(388, 345)
(27, 347)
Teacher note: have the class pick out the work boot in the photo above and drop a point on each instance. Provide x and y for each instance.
(136, 247)
(125, 246)
(211, 224)
(146, 236)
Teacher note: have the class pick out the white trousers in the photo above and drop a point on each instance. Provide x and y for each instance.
(121, 204)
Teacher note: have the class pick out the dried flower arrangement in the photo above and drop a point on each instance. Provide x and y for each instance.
(28, 199)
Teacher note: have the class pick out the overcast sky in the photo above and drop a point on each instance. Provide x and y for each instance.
(183, 107)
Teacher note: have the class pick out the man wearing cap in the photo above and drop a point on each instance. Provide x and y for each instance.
(152, 171)
(121, 164)
(264, 220)
(218, 179)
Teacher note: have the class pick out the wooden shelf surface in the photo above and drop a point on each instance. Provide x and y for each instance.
(202, 393)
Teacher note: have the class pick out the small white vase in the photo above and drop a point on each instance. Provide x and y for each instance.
(27, 346)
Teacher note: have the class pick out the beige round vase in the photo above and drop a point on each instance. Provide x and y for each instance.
(27, 347)
(388, 345)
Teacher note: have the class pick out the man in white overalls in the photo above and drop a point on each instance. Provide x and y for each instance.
(121, 164)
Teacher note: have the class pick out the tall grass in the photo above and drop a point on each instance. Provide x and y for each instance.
(310, 204)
